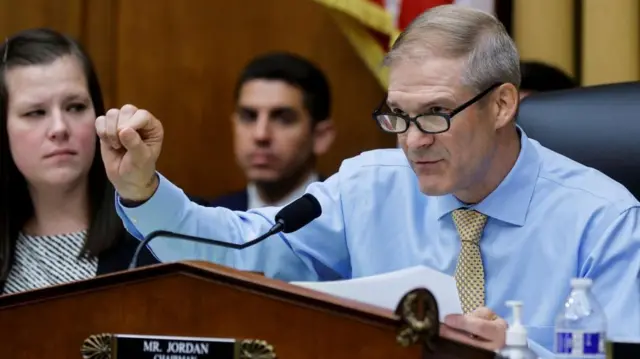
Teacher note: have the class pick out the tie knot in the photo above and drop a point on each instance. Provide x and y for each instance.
(470, 224)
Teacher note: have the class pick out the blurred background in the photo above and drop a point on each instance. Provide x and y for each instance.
(180, 59)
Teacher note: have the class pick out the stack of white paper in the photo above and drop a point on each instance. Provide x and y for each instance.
(386, 290)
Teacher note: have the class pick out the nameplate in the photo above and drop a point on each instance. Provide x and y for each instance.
(128, 346)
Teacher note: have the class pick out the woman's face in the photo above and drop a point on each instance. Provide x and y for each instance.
(50, 123)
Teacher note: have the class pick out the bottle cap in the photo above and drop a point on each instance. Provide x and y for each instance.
(581, 283)
(517, 333)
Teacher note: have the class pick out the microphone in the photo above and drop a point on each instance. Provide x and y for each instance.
(290, 218)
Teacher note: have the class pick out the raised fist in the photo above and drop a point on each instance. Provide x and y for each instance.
(130, 142)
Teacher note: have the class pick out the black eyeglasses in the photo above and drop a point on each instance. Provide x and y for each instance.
(432, 122)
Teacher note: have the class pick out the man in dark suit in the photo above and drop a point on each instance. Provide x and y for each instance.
(281, 125)
(541, 77)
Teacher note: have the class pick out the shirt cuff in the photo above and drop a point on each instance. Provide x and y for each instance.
(167, 205)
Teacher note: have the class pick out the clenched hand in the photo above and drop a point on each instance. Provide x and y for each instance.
(130, 143)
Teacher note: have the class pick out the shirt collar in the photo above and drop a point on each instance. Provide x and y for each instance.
(254, 200)
(510, 201)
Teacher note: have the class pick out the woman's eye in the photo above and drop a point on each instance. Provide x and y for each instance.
(35, 113)
(79, 107)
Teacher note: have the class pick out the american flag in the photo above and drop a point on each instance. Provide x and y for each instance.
(372, 25)
(404, 11)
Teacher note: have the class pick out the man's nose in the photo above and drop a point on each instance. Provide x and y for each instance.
(262, 128)
(417, 138)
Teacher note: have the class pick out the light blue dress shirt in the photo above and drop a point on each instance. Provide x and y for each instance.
(550, 220)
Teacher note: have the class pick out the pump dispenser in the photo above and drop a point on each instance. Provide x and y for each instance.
(517, 333)
(516, 340)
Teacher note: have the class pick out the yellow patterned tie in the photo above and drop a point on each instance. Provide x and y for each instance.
(469, 270)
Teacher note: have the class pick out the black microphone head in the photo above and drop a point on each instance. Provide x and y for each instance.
(299, 213)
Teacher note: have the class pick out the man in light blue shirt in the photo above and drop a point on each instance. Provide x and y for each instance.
(453, 95)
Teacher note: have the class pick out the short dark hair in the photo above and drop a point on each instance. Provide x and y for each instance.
(296, 71)
(39, 47)
(541, 77)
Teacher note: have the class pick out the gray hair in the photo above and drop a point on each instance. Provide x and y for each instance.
(455, 32)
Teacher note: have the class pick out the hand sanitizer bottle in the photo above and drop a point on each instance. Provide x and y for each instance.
(516, 346)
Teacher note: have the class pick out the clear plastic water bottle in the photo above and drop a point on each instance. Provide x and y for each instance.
(580, 328)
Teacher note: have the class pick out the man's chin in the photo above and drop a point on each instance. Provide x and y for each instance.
(263, 175)
(434, 189)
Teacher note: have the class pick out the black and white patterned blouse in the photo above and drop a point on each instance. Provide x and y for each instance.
(42, 261)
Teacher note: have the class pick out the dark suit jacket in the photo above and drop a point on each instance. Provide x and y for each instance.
(119, 256)
(236, 201)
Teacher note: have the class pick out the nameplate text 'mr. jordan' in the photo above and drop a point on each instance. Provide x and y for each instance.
(125, 346)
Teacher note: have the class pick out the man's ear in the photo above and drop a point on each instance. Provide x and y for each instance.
(505, 104)
(323, 135)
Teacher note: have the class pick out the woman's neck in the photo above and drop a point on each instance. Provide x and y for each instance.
(57, 211)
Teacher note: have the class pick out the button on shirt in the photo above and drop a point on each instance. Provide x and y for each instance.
(551, 219)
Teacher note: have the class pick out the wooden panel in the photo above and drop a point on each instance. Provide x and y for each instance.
(190, 307)
(17, 15)
(203, 300)
(180, 60)
(98, 35)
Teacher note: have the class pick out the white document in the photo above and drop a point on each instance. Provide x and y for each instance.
(386, 290)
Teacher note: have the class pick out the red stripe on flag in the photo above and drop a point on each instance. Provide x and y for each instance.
(412, 8)
(382, 39)
(409, 10)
